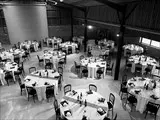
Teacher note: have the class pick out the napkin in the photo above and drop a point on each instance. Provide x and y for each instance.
(101, 111)
(101, 100)
(74, 92)
(137, 91)
(67, 113)
(64, 103)
(154, 97)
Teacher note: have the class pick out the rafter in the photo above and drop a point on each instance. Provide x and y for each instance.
(67, 5)
(112, 4)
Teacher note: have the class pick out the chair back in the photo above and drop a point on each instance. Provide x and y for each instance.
(60, 70)
(124, 79)
(153, 107)
(93, 87)
(32, 69)
(49, 65)
(67, 88)
(56, 106)
(111, 99)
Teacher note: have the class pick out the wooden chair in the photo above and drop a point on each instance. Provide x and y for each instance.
(138, 69)
(21, 68)
(77, 67)
(67, 88)
(9, 77)
(93, 87)
(100, 72)
(40, 60)
(152, 108)
(32, 69)
(49, 92)
(110, 69)
(31, 92)
(84, 71)
(57, 110)
(49, 65)
(111, 103)
(70, 50)
(131, 99)
(22, 86)
(60, 81)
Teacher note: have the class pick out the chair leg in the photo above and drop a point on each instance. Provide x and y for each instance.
(34, 98)
(146, 114)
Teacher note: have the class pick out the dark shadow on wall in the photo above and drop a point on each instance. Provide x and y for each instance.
(4, 38)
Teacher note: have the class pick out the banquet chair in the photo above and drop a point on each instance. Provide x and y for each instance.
(21, 68)
(31, 92)
(128, 53)
(60, 81)
(55, 45)
(17, 59)
(22, 86)
(100, 72)
(60, 70)
(32, 48)
(78, 48)
(64, 50)
(111, 103)
(138, 69)
(92, 87)
(49, 65)
(148, 70)
(40, 60)
(123, 90)
(152, 108)
(84, 71)
(39, 45)
(49, 92)
(32, 69)
(77, 67)
(124, 79)
(70, 50)
(67, 88)
(110, 69)
(61, 62)
(65, 59)
(27, 53)
(131, 99)
(50, 44)
(57, 110)
(44, 43)
(115, 118)
(128, 64)
(9, 77)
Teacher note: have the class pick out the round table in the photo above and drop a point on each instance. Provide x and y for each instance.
(54, 57)
(137, 84)
(143, 60)
(96, 51)
(135, 49)
(78, 111)
(28, 44)
(53, 40)
(93, 63)
(106, 43)
(67, 44)
(41, 85)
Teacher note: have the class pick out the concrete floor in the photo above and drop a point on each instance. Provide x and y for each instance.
(13, 106)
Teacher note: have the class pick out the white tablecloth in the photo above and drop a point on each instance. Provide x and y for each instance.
(144, 60)
(79, 39)
(133, 48)
(67, 44)
(28, 44)
(54, 57)
(96, 51)
(93, 66)
(107, 43)
(144, 96)
(10, 54)
(90, 111)
(53, 40)
(40, 81)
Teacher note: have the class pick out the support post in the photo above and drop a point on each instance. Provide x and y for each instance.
(71, 25)
(120, 45)
(85, 30)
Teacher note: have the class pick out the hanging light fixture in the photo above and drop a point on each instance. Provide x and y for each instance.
(61, 0)
(90, 27)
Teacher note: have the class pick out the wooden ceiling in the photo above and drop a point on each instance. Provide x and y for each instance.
(85, 3)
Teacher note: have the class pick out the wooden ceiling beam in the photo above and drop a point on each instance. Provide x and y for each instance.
(112, 5)
(67, 5)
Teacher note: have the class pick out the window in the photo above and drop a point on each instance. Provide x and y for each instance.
(155, 44)
(146, 41)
